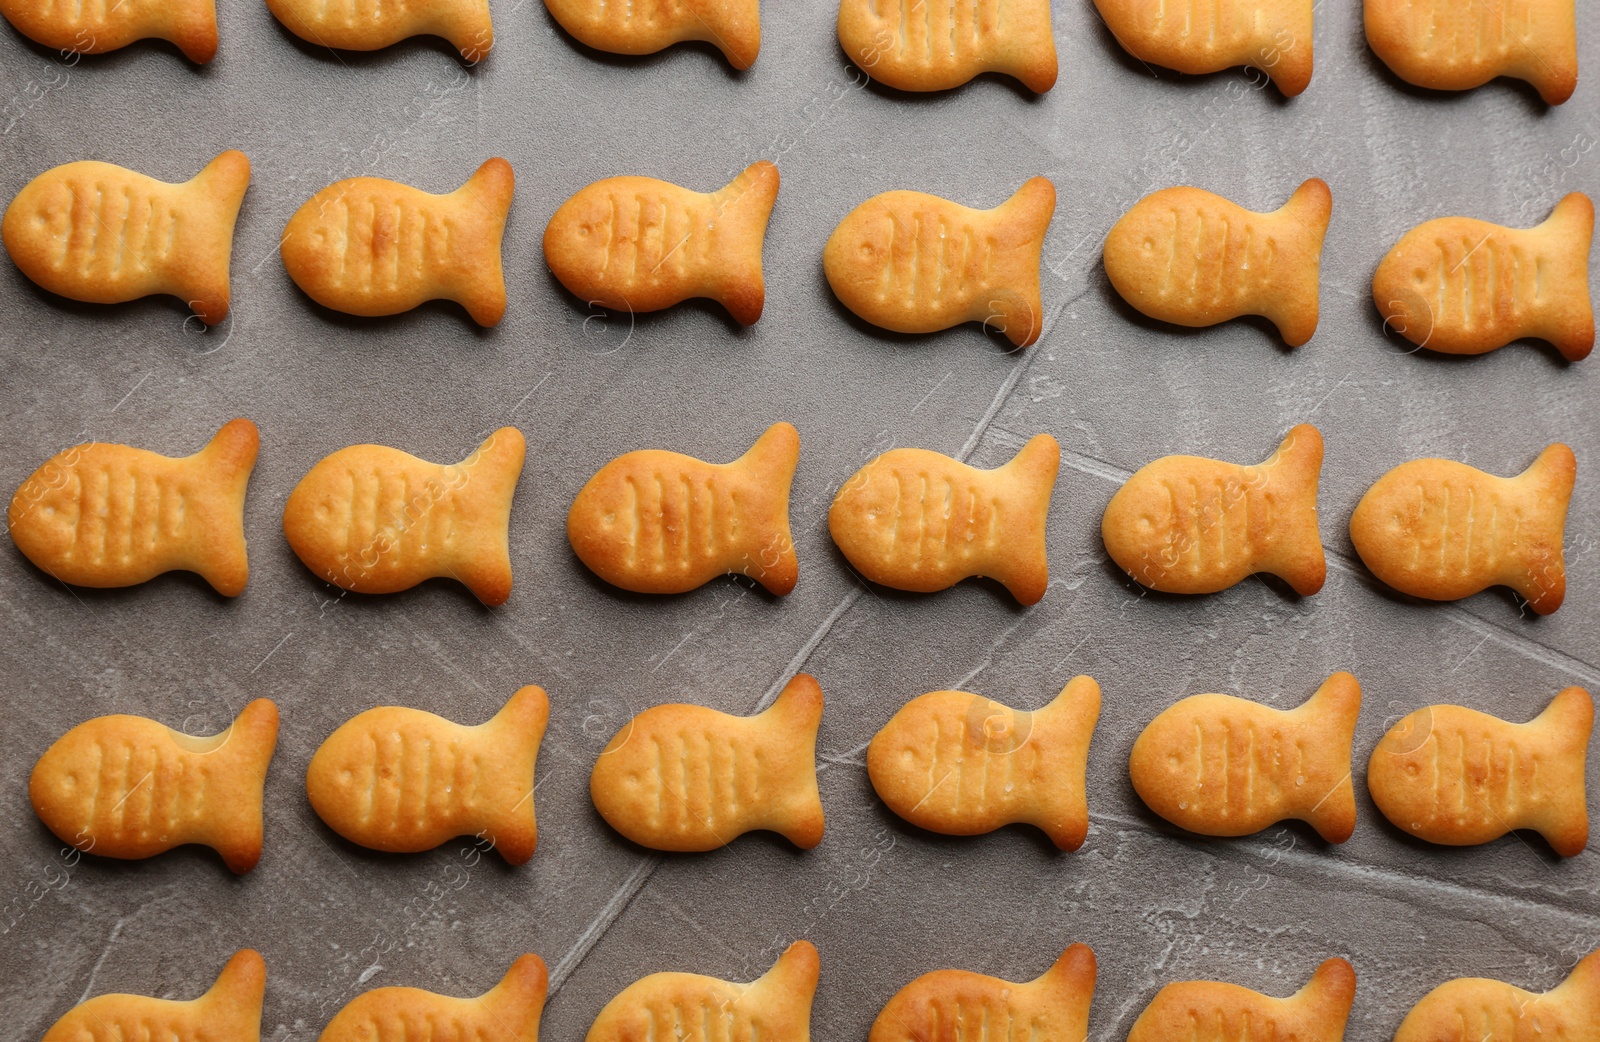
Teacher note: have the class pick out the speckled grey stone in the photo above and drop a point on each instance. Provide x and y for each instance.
(882, 901)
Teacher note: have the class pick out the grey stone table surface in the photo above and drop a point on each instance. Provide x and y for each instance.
(882, 901)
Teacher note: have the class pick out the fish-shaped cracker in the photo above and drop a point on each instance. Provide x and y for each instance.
(960, 1006)
(404, 781)
(688, 1007)
(1211, 1011)
(372, 519)
(1452, 775)
(647, 26)
(110, 515)
(95, 28)
(957, 763)
(360, 25)
(1271, 36)
(507, 1012)
(230, 1010)
(127, 787)
(916, 263)
(637, 244)
(1441, 530)
(1186, 256)
(1225, 766)
(911, 46)
(687, 778)
(1187, 524)
(654, 521)
(1463, 286)
(104, 234)
(1476, 1009)
(1461, 44)
(917, 520)
(367, 246)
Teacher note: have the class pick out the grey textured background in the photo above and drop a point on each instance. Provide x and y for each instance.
(882, 901)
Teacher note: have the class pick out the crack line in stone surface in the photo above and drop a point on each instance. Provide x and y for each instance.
(1319, 865)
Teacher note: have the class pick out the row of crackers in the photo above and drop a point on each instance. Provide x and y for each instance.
(942, 1006)
(903, 260)
(686, 778)
(914, 46)
(373, 519)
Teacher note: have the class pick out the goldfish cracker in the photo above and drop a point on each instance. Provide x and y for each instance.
(1225, 766)
(1186, 256)
(911, 47)
(1187, 524)
(774, 1008)
(1484, 1010)
(1271, 36)
(372, 519)
(958, 763)
(1442, 530)
(647, 26)
(404, 781)
(126, 787)
(917, 520)
(1210, 1011)
(103, 234)
(916, 263)
(637, 244)
(1461, 286)
(367, 246)
(1461, 44)
(109, 515)
(508, 1012)
(1054, 1007)
(230, 1010)
(686, 778)
(1452, 775)
(653, 521)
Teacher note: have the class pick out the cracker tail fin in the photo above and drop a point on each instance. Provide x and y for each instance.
(247, 746)
(488, 479)
(1293, 469)
(1070, 984)
(770, 557)
(1538, 570)
(794, 717)
(1014, 308)
(192, 27)
(1031, 56)
(1334, 707)
(513, 736)
(1551, 64)
(1568, 721)
(484, 202)
(515, 1005)
(794, 978)
(471, 31)
(233, 1002)
(743, 207)
(1072, 716)
(1328, 996)
(1031, 475)
(735, 29)
(1567, 320)
(1287, 58)
(1294, 307)
(219, 552)
(1582, 989)
(222, 185)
